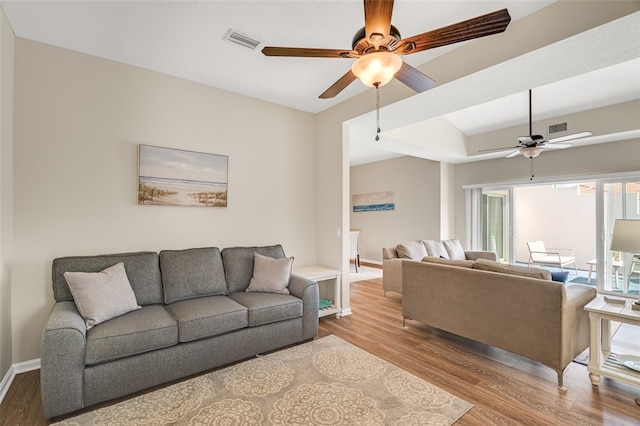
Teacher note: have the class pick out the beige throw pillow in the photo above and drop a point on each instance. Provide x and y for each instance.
(102, 295)
(412, 250)
(449, 262)
(270, 275)
(523, 271)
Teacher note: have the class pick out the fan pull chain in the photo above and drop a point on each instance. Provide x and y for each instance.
(377, 86)
(531, 158)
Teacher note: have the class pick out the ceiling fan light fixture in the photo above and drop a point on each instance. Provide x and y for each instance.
(377, 68)
(531, 152)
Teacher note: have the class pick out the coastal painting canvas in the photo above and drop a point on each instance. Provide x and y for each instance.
(374, 201)
(174, 177)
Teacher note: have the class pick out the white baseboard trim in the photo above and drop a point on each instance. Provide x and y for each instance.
(21, 367)
(373, 262)
(345, 312)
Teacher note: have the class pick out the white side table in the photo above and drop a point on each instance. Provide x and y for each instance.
(329, 285)
(601, 313)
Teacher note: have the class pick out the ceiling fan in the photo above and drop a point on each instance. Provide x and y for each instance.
(532, 145)
(377, 47)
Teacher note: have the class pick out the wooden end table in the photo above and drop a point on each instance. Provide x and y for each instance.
(601, 313)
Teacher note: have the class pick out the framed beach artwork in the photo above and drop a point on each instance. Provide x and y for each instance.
(174, 177)
(374, 201)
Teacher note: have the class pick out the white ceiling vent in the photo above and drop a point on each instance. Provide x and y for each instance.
(241, 39)
(555, 128)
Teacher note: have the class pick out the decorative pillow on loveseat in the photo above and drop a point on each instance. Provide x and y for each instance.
(414, 250)
(270, 275)
(450, 262)
(102, 295)
(523, 271)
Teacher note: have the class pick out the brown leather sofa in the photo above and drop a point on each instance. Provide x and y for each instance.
(537, 318)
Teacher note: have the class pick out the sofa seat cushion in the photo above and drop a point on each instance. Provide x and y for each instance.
(449, 262)
(414, 250)
(523, 271)
(265, 308)
(136, 332)
(208, 316)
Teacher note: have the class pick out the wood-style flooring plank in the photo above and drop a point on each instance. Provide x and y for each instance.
(505, 389)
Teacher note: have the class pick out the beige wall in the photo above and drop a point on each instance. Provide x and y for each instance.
(6, 190)
(416, 183)
(78, 120)
(561, 217)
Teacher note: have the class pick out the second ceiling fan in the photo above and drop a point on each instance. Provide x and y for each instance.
(378, 45)
(531, 146)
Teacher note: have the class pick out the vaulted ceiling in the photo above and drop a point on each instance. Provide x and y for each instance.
(187, 39)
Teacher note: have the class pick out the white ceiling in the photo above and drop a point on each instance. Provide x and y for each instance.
(185, 39)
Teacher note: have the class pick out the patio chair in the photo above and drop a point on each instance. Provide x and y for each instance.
(539, 255)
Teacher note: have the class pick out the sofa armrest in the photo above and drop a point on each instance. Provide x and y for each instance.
(307, 290)
(475, 255)
(575, 321)
(392, 274)
(62, 360)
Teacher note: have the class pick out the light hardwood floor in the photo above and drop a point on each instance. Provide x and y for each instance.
(505, 389)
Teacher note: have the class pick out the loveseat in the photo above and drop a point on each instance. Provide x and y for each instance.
(415, 250)
(515, 308)
(193, 310)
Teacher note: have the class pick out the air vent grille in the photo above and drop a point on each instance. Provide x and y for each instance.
(241, 39)
(555, 128)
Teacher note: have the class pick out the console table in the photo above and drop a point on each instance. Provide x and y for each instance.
(329, 285)
(601, 313)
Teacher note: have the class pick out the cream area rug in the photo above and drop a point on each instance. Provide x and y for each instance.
(323, 382)
(364, 273)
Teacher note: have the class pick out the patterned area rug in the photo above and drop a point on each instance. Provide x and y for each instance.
(324, 382)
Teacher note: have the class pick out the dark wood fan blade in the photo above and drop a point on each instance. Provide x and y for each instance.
(491, 23)
(304, 52)
(414, 78)
(377, 17)
(338, 86)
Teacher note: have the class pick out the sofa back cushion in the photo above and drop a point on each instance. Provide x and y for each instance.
(450, 262)
(523, 271)
(192, 273)
(142, 270)
(412, 250)
(435, 249)
(238, 264)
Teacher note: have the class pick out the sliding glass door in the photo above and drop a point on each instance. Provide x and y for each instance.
(620, 270)
(496, 222)
(574, 214)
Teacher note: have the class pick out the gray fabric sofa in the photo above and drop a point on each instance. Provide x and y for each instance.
(518, 309)
(195, 315)
(415, 250)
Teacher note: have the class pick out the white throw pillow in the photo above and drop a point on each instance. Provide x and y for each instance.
(435, 249)
(412, 250)
(454, 249)
(270, 275)
(102, 295)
